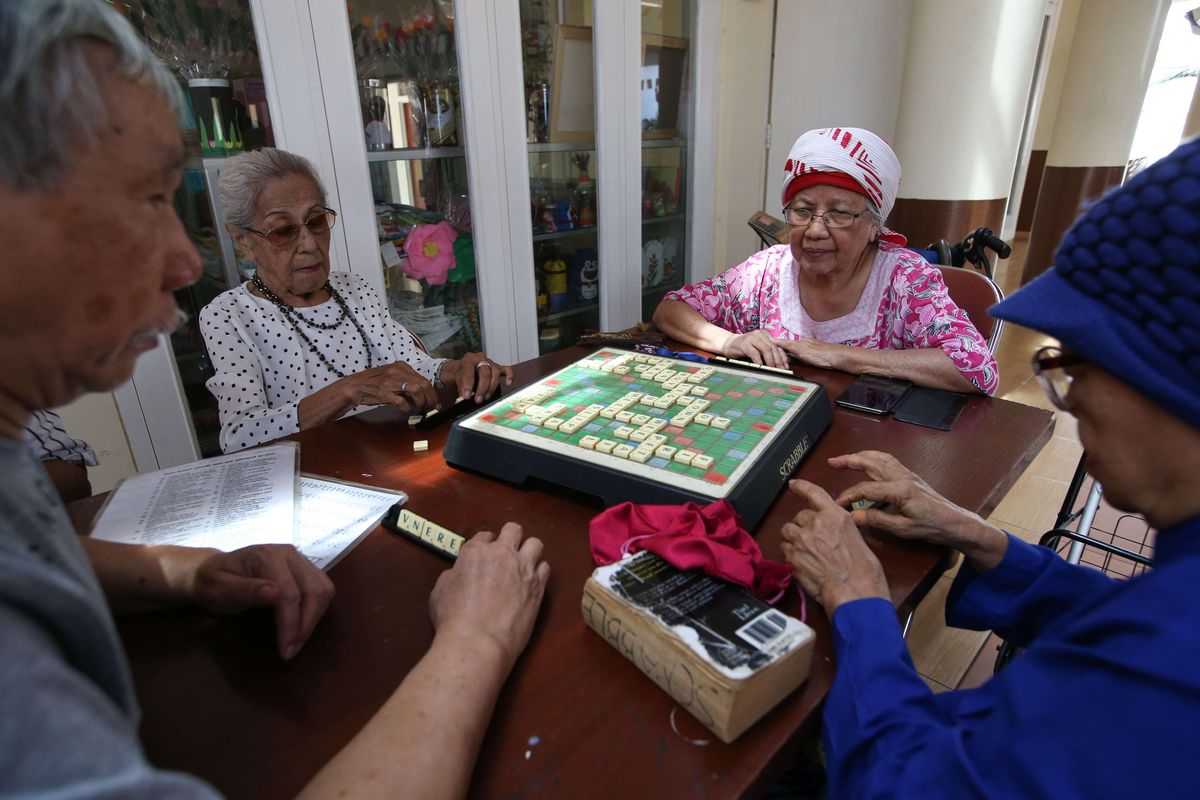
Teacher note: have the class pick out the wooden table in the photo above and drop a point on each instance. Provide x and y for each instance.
(575, 720)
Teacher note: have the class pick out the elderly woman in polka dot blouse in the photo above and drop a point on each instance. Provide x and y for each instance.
(844, 293)
(297, 345)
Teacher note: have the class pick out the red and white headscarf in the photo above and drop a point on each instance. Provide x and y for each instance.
(849, 158)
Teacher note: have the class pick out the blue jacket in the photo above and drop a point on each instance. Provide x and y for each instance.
(1105, 702)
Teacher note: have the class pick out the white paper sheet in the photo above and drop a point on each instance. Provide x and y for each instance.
(225, 502)
(335, 516)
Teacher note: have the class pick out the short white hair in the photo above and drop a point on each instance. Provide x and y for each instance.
(244, 177)
(52, 99)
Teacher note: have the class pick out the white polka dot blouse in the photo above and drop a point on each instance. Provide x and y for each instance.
(263, 369)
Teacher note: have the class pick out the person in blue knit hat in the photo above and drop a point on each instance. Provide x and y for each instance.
(1106, 695)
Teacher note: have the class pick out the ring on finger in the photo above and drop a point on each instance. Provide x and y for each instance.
(403, 386)
(483, 364)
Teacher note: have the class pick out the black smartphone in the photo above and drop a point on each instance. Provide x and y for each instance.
(873, 394)
(932, 408)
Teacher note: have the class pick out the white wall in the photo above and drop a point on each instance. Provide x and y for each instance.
(94, 419)
(1060, 56)
(1103, 33)
(741, 129)
(836, 64)
(967, 78)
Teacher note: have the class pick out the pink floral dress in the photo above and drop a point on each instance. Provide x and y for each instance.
(903, 306)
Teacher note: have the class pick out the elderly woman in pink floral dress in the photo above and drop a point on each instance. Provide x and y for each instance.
(844, 293)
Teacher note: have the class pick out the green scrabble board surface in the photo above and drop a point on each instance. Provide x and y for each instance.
(630, 426)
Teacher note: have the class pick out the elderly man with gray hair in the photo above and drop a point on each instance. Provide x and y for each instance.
(90, 153)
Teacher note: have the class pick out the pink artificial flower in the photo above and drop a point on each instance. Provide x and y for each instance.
(430, 250)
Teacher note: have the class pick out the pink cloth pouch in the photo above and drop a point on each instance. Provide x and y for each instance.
(690, 536)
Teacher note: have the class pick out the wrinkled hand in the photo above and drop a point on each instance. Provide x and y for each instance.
(274, 576)
(476, 374)
(914, 510)
(493, 592)
(756, 346)
(810, 351)
(396, 384)
(827, 553)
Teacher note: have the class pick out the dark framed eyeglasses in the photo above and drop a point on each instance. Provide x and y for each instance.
(1050, 365)
(318, 223)
(802, 217)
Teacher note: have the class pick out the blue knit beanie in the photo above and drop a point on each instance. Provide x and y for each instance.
(1124, 290)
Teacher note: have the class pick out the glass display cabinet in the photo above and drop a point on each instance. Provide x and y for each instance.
(557, 68)
(210, 45)
(666, 121)
(494, 175)
(406, 66)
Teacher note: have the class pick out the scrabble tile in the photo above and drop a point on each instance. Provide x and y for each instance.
(622, 450)
(702, 461)
(638, 436)
(685, 456)
(640, 456)
(608, 412)
(420, 446)
(589, 442)
(700, 390)
(665, 451)
(720, 422)
(704, 418)
(641, 419)
(624, 416)
(621, 370)
(553, 423)
(623, 432)
(605, 446)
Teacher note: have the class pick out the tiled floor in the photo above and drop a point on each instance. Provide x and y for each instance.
(948, 658)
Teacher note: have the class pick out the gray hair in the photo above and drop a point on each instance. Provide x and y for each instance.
(873, 213)
(244, 177)
(52, 99)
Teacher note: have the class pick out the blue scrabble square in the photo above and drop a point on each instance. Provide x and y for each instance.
(659, 463)
(733, 437)
(738, 454)
(733, 412)
(530, 428)
(756, 411)
(592, 427)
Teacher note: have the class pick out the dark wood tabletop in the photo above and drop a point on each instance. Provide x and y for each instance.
(576, 719)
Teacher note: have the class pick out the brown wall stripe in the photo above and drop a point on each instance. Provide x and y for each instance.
(926, 221)
(1064, 192)
(1033, 185)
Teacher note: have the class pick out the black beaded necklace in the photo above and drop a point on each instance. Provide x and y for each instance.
(291, 316)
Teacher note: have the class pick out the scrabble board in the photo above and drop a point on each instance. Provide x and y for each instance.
(649, 429)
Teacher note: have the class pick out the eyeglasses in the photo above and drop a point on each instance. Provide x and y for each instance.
(318, 224)
(801, 217)
(1050, 366)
